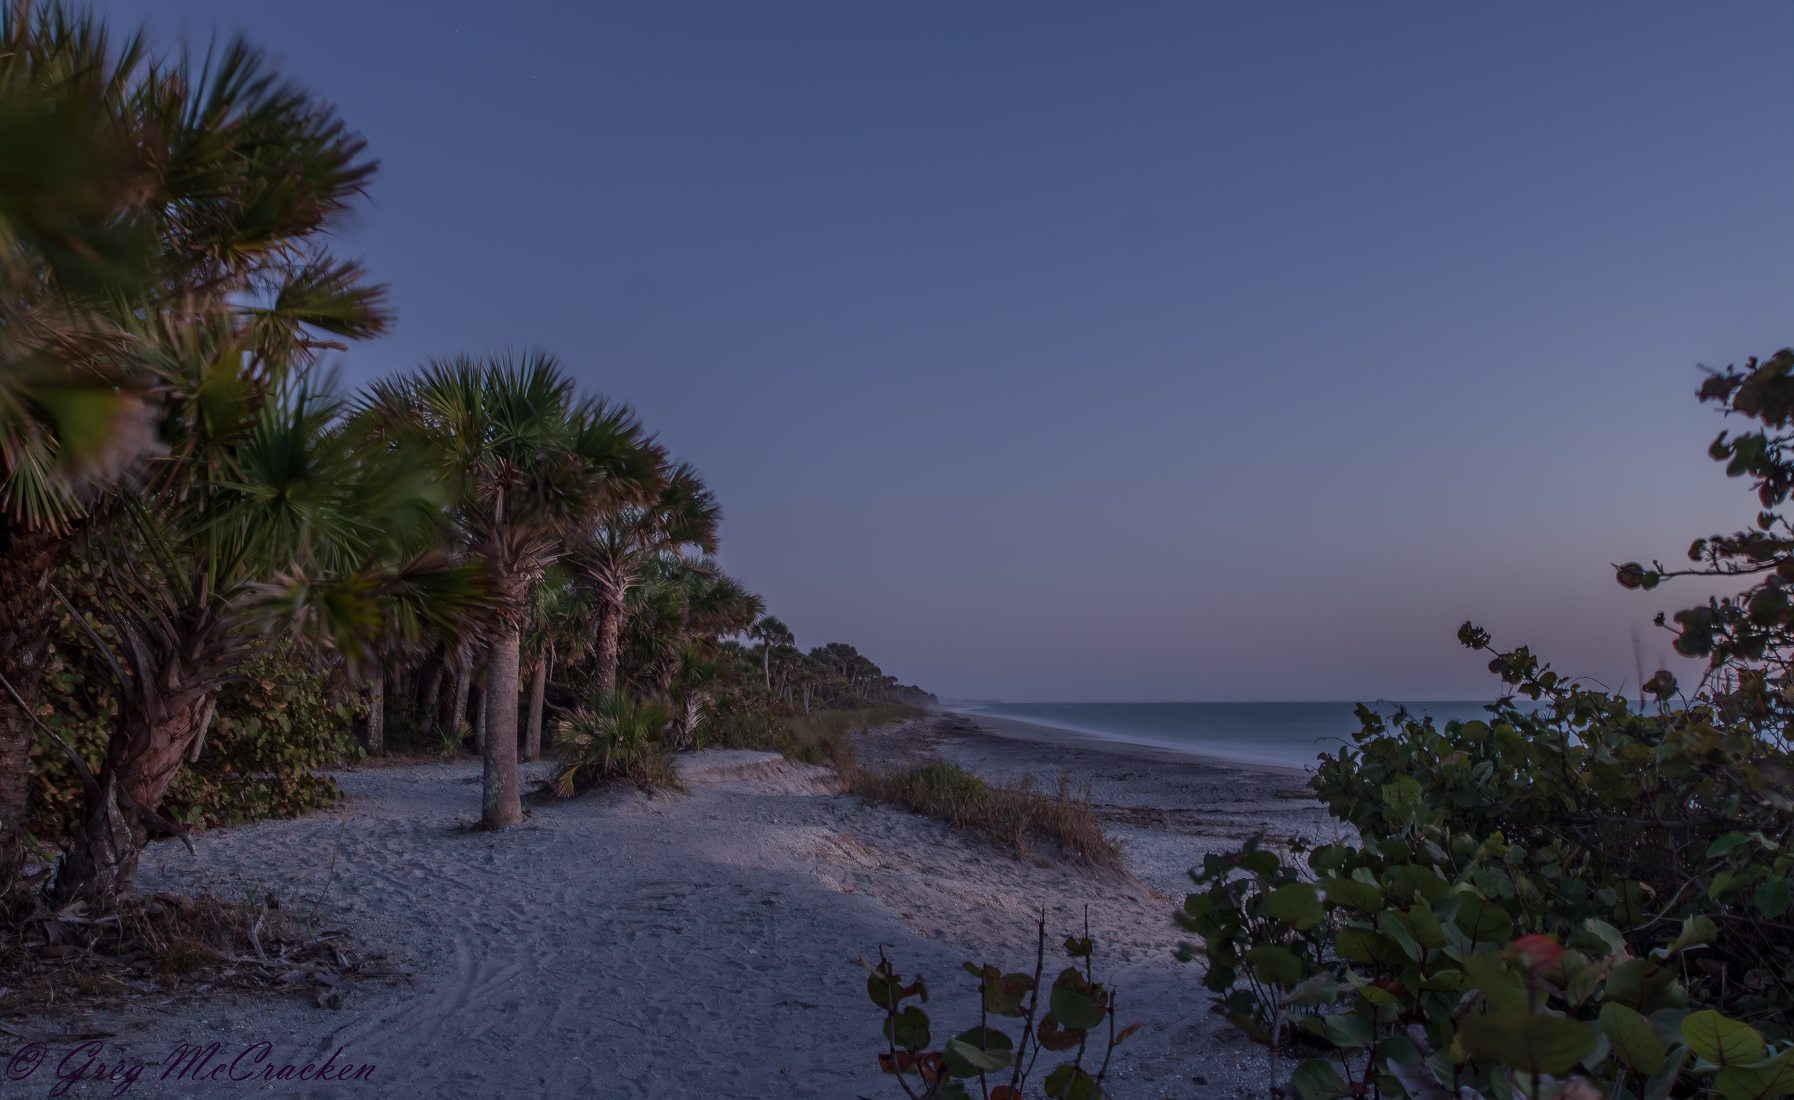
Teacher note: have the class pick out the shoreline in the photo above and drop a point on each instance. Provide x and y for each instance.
(1021, 729)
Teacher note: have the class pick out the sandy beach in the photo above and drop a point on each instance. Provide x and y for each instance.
(699, 944)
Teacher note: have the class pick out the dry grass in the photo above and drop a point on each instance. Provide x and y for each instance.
(1018, 820)
(820, 737)
(162, 945)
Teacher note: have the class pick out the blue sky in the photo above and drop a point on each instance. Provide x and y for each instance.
(1093, 351)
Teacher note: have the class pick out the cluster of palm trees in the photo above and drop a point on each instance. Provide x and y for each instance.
(182, 485)
(832, 675)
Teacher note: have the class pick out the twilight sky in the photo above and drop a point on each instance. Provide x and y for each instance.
(1171, 351)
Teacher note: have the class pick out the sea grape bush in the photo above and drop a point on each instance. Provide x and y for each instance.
(1574, 897)
(1074, 1015)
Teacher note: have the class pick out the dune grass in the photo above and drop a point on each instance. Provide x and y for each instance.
(820, 737)
(1016, 819)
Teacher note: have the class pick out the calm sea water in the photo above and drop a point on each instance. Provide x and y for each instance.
(1259, 733)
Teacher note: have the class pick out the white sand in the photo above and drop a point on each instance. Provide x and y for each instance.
(698, 945)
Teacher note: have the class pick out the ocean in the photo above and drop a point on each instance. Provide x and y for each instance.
(1290, 734)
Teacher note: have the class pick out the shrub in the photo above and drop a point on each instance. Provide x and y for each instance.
(274, 729)
(1076, 1015)
(1571, 898)
(621, 738)
(1013, 819)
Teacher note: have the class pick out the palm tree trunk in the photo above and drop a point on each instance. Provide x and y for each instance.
(766, 664)
(458, 713)
(538, 687)
(142, 758)
(610, 635)
(479, 711)
(500, 804)
(432, 701)
(102, 853)
(377, 713)
(27, 559)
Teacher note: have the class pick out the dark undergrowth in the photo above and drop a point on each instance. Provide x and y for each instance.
(150, 948)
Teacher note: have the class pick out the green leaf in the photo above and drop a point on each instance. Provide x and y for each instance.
(1348, 1030)
(1351, 894)
(1722, 1041)
(1276, 965)
(1500, 986)
(1068, 1082)
(1296, 904)
(1644, 984)
(980, 1050)
(1725, 844)
(1696, 931)
(1400, 935)
(1532, 1044)
(1634, 1040)
(1424, 926)
(1598, 933)
(1772, 897)
(1367, 945)
(1412, 880)
(1317, 990)
(1318, 1080)
(1074, 1008)
(1482, 920)
(1003, 996)
(1774, 1078)
(909, 1029)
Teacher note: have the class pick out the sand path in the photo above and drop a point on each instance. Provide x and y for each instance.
(623, 946)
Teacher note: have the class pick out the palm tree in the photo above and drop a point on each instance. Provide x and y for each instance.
(526, 460)
(555, 628)
(136, 193)
(271, 511)
(771, 632)
(681, 514)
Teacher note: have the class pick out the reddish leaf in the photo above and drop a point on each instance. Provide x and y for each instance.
(927, 1063)
(1540, 952)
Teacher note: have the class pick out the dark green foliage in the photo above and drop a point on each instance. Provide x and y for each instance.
(1575, 896)
(1020, 1018)
(273, 733)
(620, 738)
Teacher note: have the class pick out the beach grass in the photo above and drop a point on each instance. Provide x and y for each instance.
(822, 736)
(1020, 819)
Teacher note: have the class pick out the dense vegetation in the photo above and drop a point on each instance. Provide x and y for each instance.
(1574, 897)
(214, 565)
